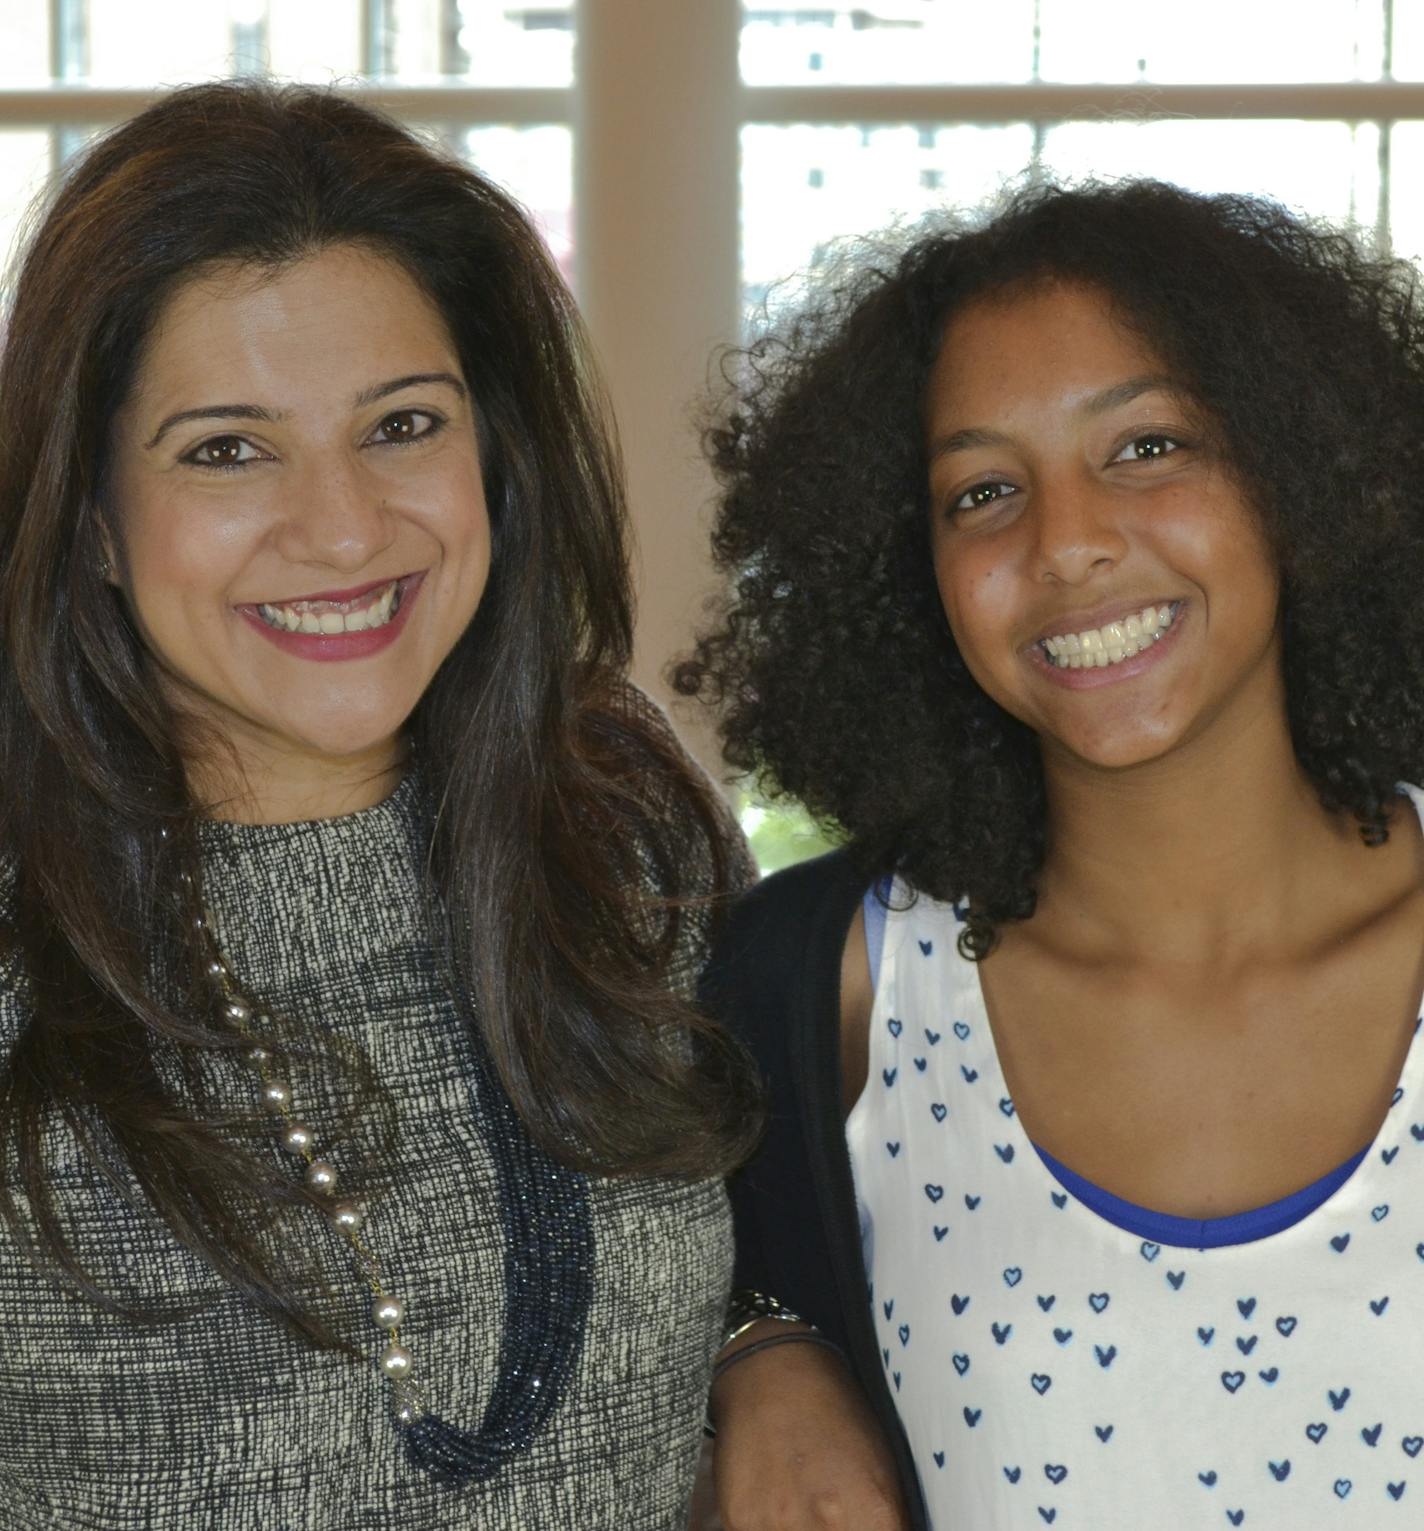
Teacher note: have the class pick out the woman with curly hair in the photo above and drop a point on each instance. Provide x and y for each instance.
(1077, 558)
(360, 1146)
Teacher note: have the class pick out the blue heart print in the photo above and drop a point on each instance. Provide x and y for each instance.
(926, 947)
(972, 1201)
(1316, 1432)
(970, 1075)
(939, 1459)
(1389, 1154)
(894, 1149)
(1246, 1346)
(940, 1229)
(1047, 1516)
(904, 1334)
(1342, 1488)
(1232, 1380)
(1001, 1332)
(1280, 1471)
(896, 1027)
(1055, 1472)
(1175, 1279)
(1416, 1131)
(971, 1416)
(1006, 1106)
(1340, 1243)
(1286, 1324)
(939, 1110)
(1270, 1376)
(1105, 1357)
(1209, 1478)
(1236, 1516)
(889, 1308)
(934, 1192)
(1041, 1383)
(932, 1036)
(1380, 1213)
(1340, 1399)
(1396, 1490)
(1150, 1251)
(1206, 1335)
(959, 1304)
(1371, 1436)
(1013, 1474)
(1012, 1276)
(1062, 1335)
(1104, 1432)
(1245, 1306)
(921, 1064)
(961, 1030)
(1377, 1307)
(961, 1363)
(1098, 1301)
(888, 1075)
(1412, 1445)
(1046, 1303)
(1060, 1199)
(1005, 1151)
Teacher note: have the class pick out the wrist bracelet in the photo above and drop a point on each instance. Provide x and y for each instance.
(747, 1308)
(793, 1336)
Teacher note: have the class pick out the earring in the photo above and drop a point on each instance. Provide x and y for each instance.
(105, 568)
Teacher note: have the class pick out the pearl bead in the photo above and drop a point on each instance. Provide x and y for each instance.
(347, 1216)
(237, 1012)
(396, 1361)
(276, 1095)
(297, 1138)
(258, 1055)
(388, 1311)
(321, 1176)
(216, 969)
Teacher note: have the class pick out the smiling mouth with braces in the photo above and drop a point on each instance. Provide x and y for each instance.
(331, 618)
(1113, 642)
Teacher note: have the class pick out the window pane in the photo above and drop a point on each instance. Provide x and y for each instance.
(804, 186)
(536, 166)
(1406, 165)
(1211, 41)
(908, 42)
(1326, 169)
(24, 60)
(488, 42)
(24, 170)
(901, 42)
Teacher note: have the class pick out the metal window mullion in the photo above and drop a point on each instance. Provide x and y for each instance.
(68, 60)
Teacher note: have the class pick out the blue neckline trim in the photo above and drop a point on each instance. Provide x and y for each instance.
(1202, 1233)
(1159, 1227)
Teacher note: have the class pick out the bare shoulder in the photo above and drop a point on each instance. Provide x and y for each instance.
(857, 1001)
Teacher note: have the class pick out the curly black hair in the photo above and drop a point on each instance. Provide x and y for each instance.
(830, 661)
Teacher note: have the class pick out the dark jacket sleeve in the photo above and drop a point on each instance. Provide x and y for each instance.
(774, 981)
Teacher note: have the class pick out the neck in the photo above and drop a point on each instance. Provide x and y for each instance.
(1209, 851)
(285, 787)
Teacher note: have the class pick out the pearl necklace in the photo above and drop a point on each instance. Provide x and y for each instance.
(348, 1217)
(548, 1261)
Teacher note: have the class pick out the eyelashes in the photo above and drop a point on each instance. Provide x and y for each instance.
(230, 453)
(1143, 447)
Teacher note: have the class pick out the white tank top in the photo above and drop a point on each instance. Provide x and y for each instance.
(1052, 1369)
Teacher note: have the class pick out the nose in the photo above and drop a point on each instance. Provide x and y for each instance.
(337, 515)
(1077, 531)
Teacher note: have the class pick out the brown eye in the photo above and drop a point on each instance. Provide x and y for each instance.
(405, 425)
(1148, 448)
(981, 495)
(221, 452)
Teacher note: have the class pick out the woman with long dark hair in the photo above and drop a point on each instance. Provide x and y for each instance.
(359, 1145)
(1076, 553)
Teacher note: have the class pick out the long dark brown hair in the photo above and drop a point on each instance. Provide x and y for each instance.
(558, 798)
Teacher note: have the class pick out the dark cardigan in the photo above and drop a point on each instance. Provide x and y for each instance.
(774, 980)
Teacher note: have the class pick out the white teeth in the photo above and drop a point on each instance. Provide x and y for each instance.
(329, 620)
(1111, 643)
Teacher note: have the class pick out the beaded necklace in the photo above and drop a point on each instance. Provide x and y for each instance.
(548, 1263)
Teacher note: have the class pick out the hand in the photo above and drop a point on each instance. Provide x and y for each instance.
(797, 1447)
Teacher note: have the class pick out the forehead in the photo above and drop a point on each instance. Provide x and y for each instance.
(309, 322)
(1052, 344)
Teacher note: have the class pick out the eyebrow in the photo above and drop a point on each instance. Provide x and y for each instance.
(1099, 403)
(257, 412)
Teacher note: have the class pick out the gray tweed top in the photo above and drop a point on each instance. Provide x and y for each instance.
(222, 1419)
